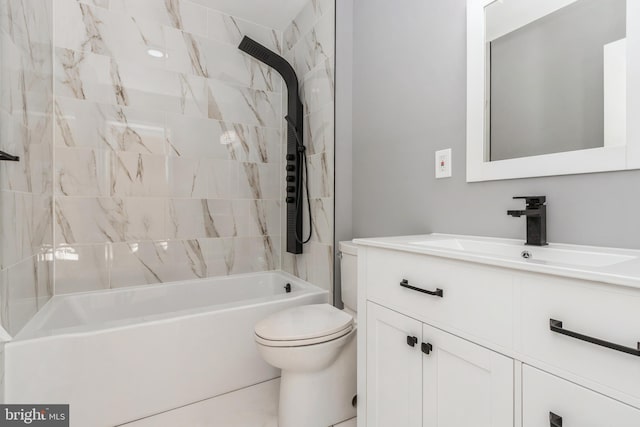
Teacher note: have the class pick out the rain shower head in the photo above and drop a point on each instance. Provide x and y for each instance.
(255, 49)
(295, 145)
(278, 63)
(272, 59)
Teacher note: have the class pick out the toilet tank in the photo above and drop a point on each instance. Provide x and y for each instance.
(349, 274)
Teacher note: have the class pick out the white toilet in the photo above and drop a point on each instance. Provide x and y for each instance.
(315, 347)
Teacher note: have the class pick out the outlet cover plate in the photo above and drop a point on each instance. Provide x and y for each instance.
(443, 163)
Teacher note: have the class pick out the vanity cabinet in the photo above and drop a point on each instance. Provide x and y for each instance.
(449, 342)
(418, 375)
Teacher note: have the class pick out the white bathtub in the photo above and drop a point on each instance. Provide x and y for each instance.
(120, 355)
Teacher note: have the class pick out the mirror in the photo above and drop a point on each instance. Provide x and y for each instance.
(548, 87)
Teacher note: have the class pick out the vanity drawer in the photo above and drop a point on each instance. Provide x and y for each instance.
(588, 311)
(476, 300)
(551, 401)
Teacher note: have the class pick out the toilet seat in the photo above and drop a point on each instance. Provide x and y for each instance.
(301, 343)
(303, 325)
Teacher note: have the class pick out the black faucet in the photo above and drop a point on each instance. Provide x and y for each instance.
(536, 213)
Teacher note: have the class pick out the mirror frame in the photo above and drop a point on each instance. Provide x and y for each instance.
(602, 159)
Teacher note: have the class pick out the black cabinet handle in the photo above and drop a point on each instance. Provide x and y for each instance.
(555, 420)
(427, 348)
(412, 341)
(556, 326)
(438, 292)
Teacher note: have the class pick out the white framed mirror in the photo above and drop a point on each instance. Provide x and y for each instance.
(553, 87)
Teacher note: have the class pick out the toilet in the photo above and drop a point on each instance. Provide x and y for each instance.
(315, 347)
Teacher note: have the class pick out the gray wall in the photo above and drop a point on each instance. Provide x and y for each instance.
(409, 93)
(547, 83)
(344, 132)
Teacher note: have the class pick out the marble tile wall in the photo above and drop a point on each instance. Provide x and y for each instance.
(309, 44)
(26, 105)
(168, 145)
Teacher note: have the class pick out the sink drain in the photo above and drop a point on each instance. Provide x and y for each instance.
(525, 254)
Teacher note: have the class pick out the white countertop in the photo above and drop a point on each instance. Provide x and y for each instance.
(624, 273)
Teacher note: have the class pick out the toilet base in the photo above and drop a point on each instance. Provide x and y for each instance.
(322, 398)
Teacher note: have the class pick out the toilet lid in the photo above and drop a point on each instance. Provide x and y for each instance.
(304, 322)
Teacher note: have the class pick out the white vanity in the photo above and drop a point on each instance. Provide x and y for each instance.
(473, 332)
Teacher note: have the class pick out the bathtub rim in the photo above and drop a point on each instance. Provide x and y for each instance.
(168, 317)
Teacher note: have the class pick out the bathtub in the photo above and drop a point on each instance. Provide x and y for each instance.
(120, 355)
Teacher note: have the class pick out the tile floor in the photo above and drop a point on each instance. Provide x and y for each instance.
(255, 406)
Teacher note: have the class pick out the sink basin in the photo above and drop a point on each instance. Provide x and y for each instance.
(552, 254)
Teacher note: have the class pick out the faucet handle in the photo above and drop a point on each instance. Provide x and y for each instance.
(533, 201)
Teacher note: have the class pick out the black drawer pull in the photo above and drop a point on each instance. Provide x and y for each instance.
(556, 326)
(438, 292)
(555, 420)
(427, 348)
(412, 341)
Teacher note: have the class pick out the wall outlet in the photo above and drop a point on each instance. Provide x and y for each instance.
(443, 163)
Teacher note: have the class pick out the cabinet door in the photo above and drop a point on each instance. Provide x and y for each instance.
(551, 401)
(394, 369)
(465, 384)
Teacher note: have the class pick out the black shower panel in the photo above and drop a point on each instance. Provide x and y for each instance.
(295, 142)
